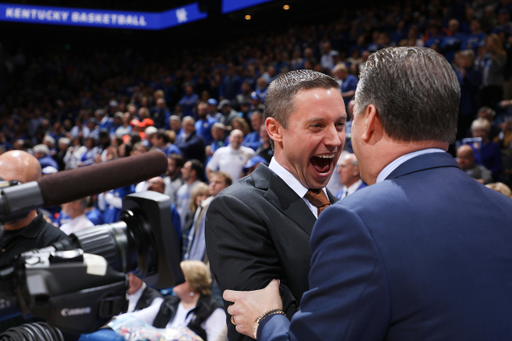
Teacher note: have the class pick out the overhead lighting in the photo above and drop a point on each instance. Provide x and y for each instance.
(286, 7)
(247, 17)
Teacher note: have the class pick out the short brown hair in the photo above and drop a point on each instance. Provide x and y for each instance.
(279, 102)
(227, 178)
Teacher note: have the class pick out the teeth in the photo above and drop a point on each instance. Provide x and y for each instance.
(329, 156)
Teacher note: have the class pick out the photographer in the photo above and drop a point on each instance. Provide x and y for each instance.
(32, 231)
(27, 233)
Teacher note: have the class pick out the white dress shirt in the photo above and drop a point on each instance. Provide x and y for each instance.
(350, 190)
(76, 224)
(293, 183)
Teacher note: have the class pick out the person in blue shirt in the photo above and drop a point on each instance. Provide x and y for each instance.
(163, 143)
(475, 39)
(349, 82)
(503, 24)
(253, 139)
(204, 123)
(451, 44)
(488, 154)
(470, 79)
(400, 33)
(230, 84)
(261, 88)
(93, 213)
(114, 203)
(42, 153)
(160, 114)
(104, 121)
(188, 101)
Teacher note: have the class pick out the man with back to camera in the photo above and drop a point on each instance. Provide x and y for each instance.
(421, 254)
(259, 228)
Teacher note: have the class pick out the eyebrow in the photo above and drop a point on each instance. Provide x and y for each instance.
(316, 119)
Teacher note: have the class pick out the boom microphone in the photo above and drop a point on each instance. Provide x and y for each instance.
(70, 185)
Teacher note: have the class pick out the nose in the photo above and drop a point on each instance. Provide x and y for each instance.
(334, 138)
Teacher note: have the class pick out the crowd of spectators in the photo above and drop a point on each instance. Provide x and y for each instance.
(204, 109)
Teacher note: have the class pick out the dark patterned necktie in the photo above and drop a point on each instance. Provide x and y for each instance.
(318, 198)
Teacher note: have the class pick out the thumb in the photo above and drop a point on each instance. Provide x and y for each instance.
(229, 295)
(274, 284)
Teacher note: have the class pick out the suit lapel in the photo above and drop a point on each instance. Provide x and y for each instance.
(422, 162)
(281, 196)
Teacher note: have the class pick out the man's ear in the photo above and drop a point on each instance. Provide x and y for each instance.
(274, 129)
(373, 125)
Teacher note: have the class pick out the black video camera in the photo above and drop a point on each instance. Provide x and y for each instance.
(78, 284)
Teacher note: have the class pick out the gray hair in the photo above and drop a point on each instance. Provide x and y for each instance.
(415, 91)
(219, 125)
(355, 163)
(41, 148)
(65, 140)
(188, 119)
(84, 202)
(49, 139)
(279, 102)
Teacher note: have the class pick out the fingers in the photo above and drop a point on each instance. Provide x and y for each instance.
(229, 295)
(231, 310)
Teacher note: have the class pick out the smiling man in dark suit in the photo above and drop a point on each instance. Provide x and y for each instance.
(421, 254)
(259, 228)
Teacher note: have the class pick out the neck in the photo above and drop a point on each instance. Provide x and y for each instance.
(191, 180)
(76, 214)
(132, 291)
(21, 223)
(188, 302)
(391, 150)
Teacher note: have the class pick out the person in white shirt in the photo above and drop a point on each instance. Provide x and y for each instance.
(231, 159)
(76, 211)
(348, 169)
(192, 307)
(140, 296)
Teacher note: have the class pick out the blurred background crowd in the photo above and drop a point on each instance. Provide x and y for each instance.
(202, 105)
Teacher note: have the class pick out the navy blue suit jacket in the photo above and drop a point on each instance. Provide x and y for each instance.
(192, 147)
(424, 255)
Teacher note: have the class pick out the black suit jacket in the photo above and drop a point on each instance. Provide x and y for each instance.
(257, 230)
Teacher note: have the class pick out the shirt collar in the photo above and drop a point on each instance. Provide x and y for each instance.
(289, 179)
(352, 187)
(402, 159)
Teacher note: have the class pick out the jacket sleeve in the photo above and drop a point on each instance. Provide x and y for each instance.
(349, 296)
(241, 252)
